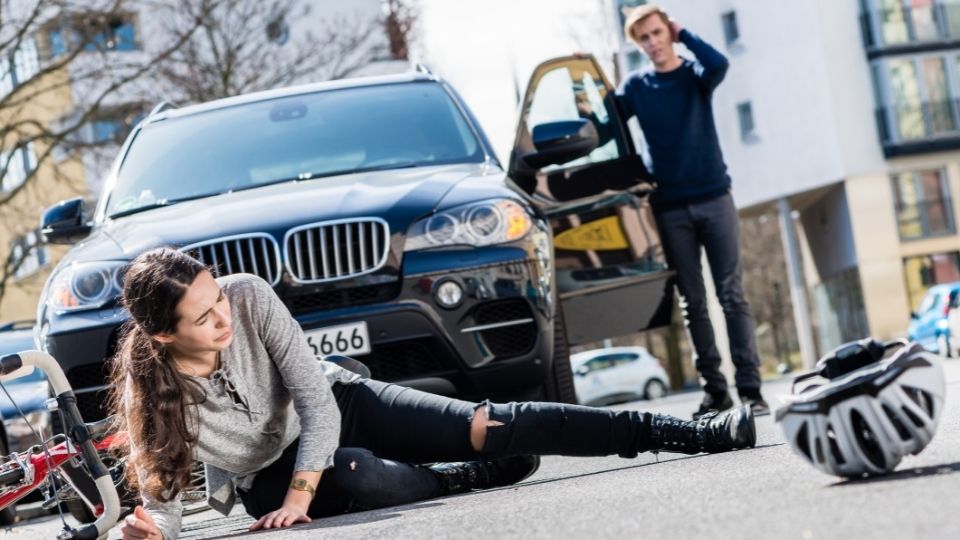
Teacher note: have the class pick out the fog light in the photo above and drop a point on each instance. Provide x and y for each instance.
(449, 294)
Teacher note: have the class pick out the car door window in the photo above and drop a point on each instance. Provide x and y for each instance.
(571, 92)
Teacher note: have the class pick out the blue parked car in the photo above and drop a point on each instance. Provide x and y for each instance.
(928, 324)
(29, 393)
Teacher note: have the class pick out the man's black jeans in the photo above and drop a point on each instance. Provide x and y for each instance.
(386, 430)
(712, 225)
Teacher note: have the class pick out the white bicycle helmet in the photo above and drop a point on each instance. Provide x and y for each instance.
(868, 411)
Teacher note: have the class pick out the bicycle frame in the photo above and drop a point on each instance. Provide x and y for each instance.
(30, 469)
(37, 465)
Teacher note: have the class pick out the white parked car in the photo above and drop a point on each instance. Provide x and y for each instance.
(617, 374)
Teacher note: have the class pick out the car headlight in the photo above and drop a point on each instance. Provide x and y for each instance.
(82, 286)
(475, 224)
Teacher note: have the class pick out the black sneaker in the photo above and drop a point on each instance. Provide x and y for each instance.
(755, 401)
(713, 402)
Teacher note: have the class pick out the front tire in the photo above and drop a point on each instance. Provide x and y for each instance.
(654, 389)
(559, 384)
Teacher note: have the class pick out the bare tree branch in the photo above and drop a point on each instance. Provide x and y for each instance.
(86, 61)
(251, 45)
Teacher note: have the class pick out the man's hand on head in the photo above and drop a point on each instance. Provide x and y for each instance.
(675, 29)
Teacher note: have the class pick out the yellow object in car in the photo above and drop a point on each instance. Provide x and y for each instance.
(600, 235)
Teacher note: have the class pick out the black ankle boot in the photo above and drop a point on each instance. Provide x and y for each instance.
(713, 432)
(461, 477)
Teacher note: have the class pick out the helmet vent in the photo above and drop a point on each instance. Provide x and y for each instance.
(803, 442)
(897, 424)
(913, 417)
(867, 440)
(922, 398)
(834, 448)
(819, 448)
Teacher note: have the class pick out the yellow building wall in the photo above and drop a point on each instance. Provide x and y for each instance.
(52, 182)
(874, 223)
(880, 252)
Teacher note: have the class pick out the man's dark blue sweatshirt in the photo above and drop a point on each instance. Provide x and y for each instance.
(676, 117)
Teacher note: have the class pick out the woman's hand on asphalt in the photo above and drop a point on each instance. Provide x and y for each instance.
(139, 525)
(286, 516)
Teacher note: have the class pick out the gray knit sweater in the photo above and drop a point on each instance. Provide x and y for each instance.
(269, 390)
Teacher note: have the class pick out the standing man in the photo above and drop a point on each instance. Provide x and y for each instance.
(692, 204)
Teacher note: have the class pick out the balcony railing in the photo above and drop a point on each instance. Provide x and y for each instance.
(929, 121)
(910, 26)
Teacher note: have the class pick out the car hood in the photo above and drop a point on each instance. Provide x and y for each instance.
(398, 196)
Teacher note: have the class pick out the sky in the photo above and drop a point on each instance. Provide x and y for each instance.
(488, 49)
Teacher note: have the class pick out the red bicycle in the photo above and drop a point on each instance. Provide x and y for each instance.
(71, 461)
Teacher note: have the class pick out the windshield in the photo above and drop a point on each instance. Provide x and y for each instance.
(326, 133)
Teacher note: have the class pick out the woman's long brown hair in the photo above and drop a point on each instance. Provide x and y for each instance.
(150, 399)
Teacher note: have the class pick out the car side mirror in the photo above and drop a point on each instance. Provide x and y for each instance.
(582, 371)
(63, 222)
(560, 142)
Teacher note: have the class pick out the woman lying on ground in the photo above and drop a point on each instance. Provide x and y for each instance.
(217, 370)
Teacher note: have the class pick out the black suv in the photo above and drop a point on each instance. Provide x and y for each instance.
(377, 210)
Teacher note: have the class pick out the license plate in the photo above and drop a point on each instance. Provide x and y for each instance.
(345, 339)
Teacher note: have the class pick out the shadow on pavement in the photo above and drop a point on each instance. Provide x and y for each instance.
(905, 474)
(624, 468)
(352, 518)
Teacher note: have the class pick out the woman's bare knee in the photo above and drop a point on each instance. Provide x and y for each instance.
(478, 428)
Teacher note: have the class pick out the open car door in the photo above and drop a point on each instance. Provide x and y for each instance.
(574, 155)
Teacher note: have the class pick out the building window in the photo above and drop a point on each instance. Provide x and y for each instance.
(636, 60)
(278, 31)
(28, 255)
(939, 113)
(923, 19)
(916, 99)
(731, 32)
(113, 125)
(924, 271)
(16, 165)
(745, 115)
(893, 22)
(951, 15)
(19, 67)
(905, 89)
(922, 204)
(839, 309)
(94, 32)
(55, 42)
(899, 22)
(115, 33)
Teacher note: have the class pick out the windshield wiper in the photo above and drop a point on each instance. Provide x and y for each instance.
(159, 204)
(326, 174)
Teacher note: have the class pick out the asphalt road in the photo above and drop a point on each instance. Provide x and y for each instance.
(763, 493)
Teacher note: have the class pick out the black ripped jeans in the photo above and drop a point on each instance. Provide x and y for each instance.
(388, 430)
